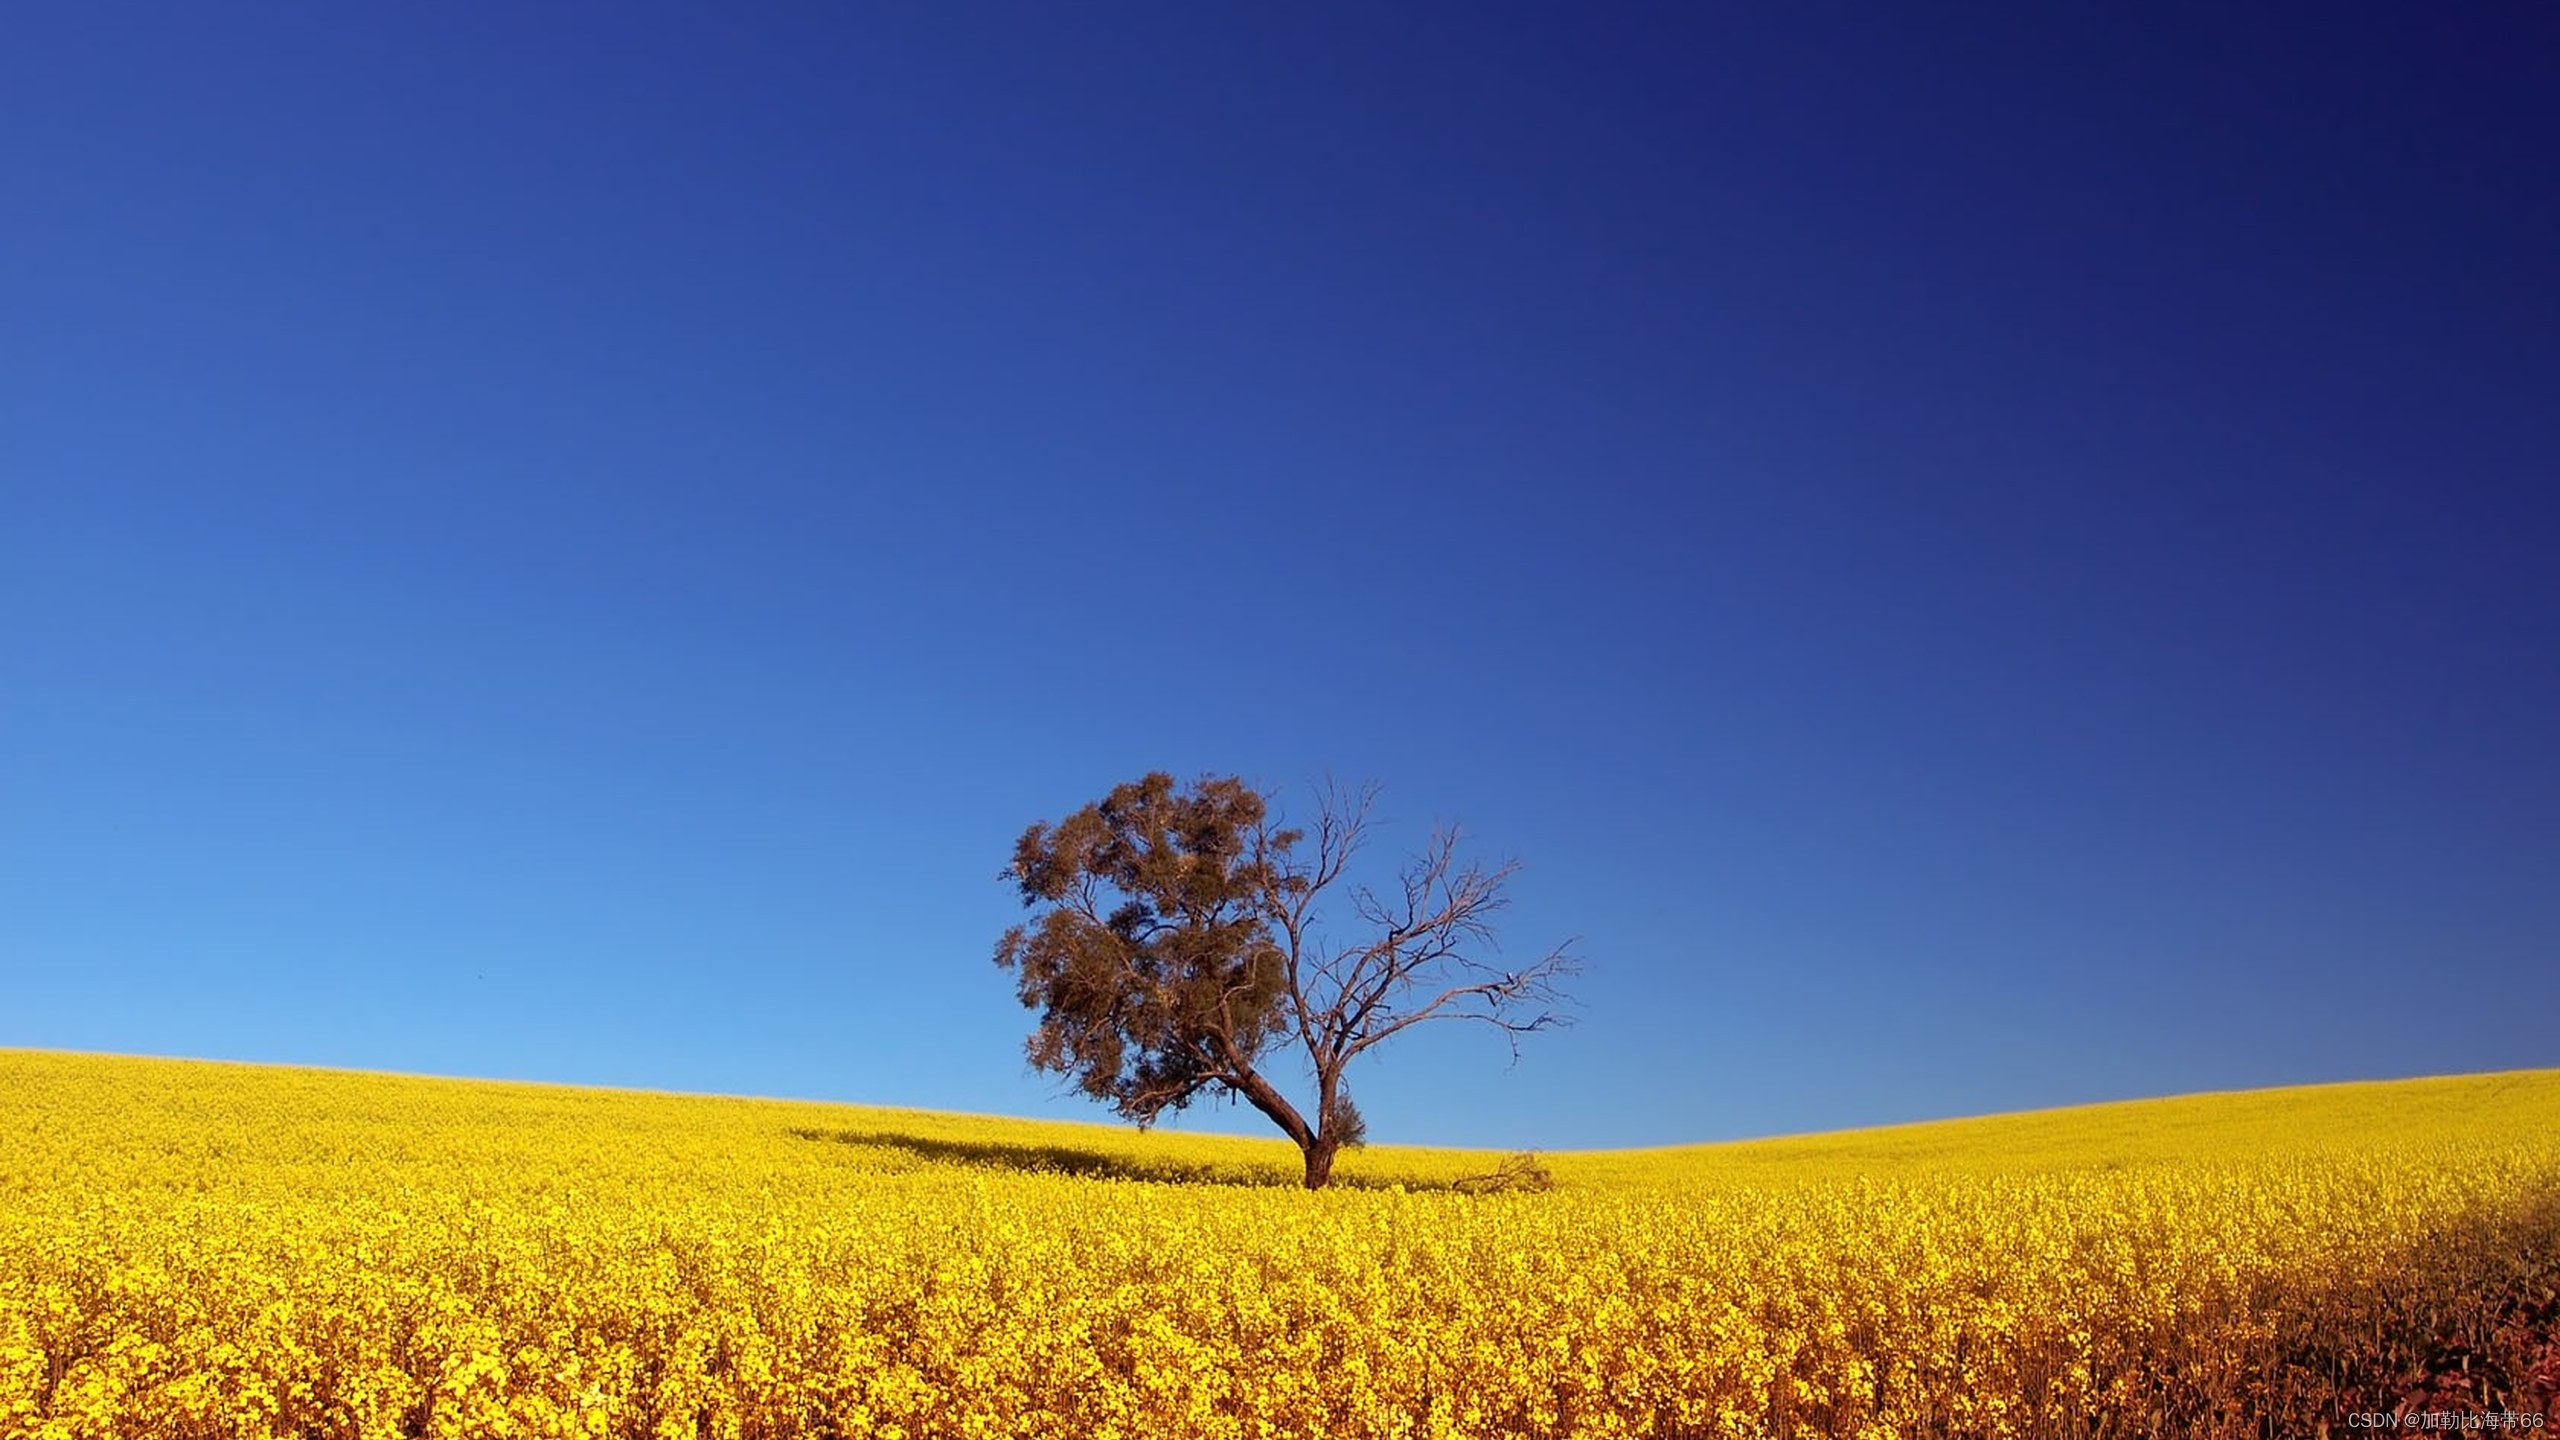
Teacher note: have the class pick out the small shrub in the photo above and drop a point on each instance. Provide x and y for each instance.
(1521, 1172)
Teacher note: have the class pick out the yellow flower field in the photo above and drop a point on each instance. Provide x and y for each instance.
(192, 1249)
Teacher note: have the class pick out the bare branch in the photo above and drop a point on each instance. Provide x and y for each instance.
(1341, 824)
(1498, 1002)
(1435, 938)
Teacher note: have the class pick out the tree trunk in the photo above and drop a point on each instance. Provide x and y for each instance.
(1319, 1153)
(1274, 1106)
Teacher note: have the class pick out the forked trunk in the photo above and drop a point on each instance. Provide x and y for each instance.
(1320, 1152)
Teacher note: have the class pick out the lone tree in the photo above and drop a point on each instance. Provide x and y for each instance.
(1181, 949)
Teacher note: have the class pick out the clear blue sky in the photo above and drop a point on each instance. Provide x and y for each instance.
(1982, 558)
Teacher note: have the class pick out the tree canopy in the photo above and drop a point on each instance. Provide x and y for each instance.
(1181, 946)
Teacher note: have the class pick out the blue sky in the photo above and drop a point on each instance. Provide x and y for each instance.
(1981, 558)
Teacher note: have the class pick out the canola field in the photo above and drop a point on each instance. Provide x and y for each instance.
(204, 1250)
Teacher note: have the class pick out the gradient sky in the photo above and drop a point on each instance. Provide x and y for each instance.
(1982, 558)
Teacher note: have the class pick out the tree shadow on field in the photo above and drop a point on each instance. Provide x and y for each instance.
(1092, 1164)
